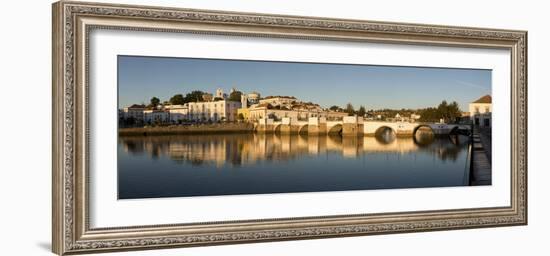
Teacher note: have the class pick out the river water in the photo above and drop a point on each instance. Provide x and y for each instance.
(231, 164)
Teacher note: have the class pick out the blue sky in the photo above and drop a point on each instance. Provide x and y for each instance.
(375, 87)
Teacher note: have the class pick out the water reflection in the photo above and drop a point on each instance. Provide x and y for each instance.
(385, 135)
(200, 165)
(249, 149)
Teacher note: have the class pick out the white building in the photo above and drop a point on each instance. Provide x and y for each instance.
(253, 97)
(415, 117)
(248, 99)
(265, 111)
(156, 115)
(283, 101)
(220, 94)
(221, 110)
(244, 101)
(135, 111)
(480, 111)
(178, 113)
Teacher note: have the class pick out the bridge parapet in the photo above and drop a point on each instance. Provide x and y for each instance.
(289, 121)
(349, 126)
(289, 125)
(265, 121)
(317, 126)
(265, 125)
(353, 126)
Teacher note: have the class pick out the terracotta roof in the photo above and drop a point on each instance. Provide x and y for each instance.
(485, 99)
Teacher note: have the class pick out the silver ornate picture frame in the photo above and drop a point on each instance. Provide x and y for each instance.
(72, 23)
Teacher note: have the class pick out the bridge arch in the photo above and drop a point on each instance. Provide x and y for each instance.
(303, 129)
(421, 139)
(385, 134)
(335, 129)
(422, 126)
(382, 129)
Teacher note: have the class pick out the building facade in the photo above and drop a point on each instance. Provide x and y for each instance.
(263, 111)
(220, 94)
(244, 113)
(282, 101)
(214, 111)
(249, 99)
(151, 116)
(255, 108)
(178, 113)
(253, 97)
(480, 111)
(135, 111)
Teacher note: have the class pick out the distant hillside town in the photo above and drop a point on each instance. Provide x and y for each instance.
(203, 107)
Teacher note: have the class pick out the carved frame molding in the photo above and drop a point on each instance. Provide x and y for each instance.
(72, 22)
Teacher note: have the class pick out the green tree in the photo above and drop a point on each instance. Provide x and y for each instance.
(362, 111)
(334, 108)
(350, 110)
(155, 101)
(442, 110)
(447, 112)
(235, 96)
(453, 112)
(429, 115)
(177, 99)
(194, 96)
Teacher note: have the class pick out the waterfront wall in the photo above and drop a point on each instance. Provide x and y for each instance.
(188, 129)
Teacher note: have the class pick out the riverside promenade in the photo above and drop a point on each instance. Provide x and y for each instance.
(481, 157)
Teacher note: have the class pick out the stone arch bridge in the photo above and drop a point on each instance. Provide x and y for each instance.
(350, 125)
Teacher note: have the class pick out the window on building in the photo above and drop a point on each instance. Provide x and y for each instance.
(477, 110)
(487, 110)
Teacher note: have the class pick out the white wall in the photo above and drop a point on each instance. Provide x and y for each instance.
(26, 149)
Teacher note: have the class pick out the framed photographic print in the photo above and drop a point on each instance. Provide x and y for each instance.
(179, 127)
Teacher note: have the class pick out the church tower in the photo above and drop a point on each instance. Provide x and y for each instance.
(244, 101)
(219, 93)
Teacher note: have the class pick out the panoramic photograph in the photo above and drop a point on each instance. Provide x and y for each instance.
(216, 127)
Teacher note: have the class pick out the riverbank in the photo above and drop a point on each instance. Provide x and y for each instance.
(481, 158)
(187, 129)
